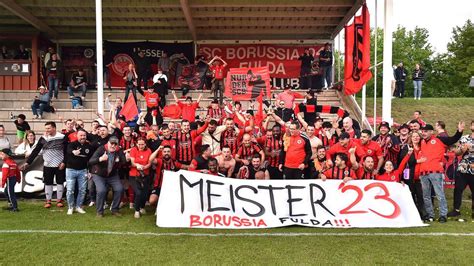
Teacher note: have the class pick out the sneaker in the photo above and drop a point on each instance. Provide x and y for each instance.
(442, 219)
(131, 206)
(70, 211)
(83, 98)
(80, 210)
(137, 215)
(415, 98)
(142, 211)
(70, 97)
(106, 205)
(121, 204)
(454, 213)
(40, 117)
(47, 204)
(59, 204)
(428, 219)
(36, 117)
(91, 204)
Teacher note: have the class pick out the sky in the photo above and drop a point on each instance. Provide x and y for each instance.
(437, 16)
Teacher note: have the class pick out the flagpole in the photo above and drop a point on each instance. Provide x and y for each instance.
(375, 68)
(99, 57)
(387, 63)
(364, 101)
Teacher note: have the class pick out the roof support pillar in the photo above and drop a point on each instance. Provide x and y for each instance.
(387, 63)
(99, 56)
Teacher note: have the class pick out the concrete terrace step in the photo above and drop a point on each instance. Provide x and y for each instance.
(92, 94)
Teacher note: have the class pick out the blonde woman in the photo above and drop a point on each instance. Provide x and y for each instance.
(28, 144)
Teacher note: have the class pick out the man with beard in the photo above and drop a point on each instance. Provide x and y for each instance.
(431, 168)
(365, 169)
(415, 125)
(389, 143)
(185, 139)
(370, 148)
(296, 154)
(247, 150)
(231, 136)
(272, 147)
(212, 137)
(348, 126)
(168, 140)
(200, 162)
(225, 162)
(166, 162)
(327, 137)
(340, 170)
(102, 137)
(79, 153)
(403, 136)
(320, 160)
(254, 171)
(343, 146)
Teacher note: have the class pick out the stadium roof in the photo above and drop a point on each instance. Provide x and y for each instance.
(179, 19)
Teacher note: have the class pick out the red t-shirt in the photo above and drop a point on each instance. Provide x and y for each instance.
(370, 149)
(140, 157)
(188, 111)
(296, 153)
(218, 71)
(152, 99)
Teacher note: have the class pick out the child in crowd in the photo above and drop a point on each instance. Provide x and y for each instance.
(10, 176)
(21, 127)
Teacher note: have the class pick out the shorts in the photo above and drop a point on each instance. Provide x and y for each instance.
(20, 134)
(50, 172)
(156, 191)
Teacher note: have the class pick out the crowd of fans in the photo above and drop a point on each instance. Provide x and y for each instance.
(290, 141)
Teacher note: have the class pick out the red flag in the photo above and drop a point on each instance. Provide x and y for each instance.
(129, 109)
(357, 54)
(247, 83)
(172, 111)
(259, 117)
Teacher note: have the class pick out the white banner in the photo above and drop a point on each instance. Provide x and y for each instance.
(195, 200)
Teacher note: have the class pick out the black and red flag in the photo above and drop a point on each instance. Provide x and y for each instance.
(357, 53)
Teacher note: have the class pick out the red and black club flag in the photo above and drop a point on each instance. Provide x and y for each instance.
(357, 53)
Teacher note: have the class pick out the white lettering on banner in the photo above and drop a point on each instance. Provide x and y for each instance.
(272, 68)
(195, 200)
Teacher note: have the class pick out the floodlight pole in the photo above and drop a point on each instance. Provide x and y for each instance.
(387, 63)
(99, 56)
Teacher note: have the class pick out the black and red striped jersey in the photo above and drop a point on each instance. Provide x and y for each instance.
(232, 139)
(273, 146)
(338, 173)
(246, 153)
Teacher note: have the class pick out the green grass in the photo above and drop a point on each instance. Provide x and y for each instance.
(89, 249)
(449, 110)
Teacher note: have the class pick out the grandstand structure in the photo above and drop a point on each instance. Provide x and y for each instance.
(72, 23)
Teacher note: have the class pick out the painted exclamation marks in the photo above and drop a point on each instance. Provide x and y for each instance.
(336, 222)
(347, 222)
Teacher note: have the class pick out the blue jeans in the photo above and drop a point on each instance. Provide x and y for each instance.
(417, 84)
(38, 108)
(10, 191)
(73, 176)
(82, 88)
(436, 180)
(53, 86)
(327, 75)
(101, 187)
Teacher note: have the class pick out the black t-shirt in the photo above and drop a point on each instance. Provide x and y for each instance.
(142, 65)
(22, 127)
(326, 55)
(78, 79)
(306, 60)
(252, 171)
(78, 162)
